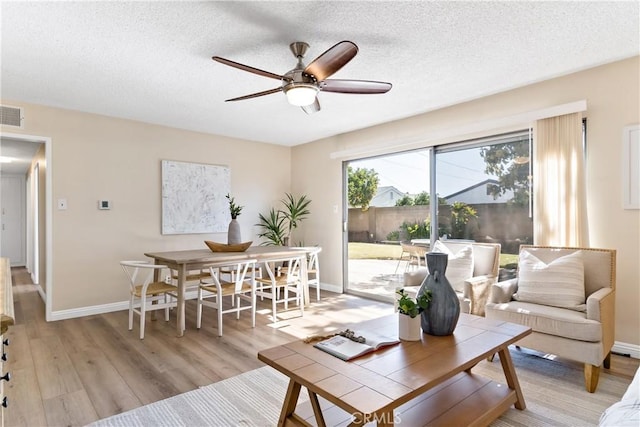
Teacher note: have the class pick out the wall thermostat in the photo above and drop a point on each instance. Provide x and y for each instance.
(104, 204)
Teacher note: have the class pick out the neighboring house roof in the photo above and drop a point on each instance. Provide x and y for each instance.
(479, 193)
(386, 196)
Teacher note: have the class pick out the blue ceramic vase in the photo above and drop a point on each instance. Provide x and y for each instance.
(441, 317)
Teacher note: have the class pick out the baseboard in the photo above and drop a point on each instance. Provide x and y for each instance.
(626, 349)
(42, 293)
(124, 305)
(330, 288)
(103, 308)
(89, 311)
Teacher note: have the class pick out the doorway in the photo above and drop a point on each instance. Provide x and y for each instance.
(13, 214)
(36, 213)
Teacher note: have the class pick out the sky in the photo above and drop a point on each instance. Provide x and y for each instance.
(409, 172)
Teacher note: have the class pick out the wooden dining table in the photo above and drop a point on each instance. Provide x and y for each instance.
(195, 259)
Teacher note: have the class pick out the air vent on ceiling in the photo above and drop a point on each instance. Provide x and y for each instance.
(11, 116)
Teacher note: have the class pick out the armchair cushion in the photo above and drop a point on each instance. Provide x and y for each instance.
(551, 320)
(559, 283)
(460, 265)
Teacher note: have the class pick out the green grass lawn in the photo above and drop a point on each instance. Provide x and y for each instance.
(374, 251)
(391, 251)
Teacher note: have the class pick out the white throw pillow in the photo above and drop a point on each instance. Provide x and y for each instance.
(459, 265)
(558, 284)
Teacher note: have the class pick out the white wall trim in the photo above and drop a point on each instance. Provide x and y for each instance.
(89, 311)
(124, 305)
(42, 293)
(524, 119)
(624, 348)
(48, 214)
(329, 288)
(102, 308)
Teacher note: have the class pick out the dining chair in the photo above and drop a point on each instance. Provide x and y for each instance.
(281, 285)
(313, 270)
(192, 280)
(146, 294)
(417, 255)
(405, 255)
(231, 271)
(241, 288)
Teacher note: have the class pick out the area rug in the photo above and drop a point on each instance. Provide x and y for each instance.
(554, 393)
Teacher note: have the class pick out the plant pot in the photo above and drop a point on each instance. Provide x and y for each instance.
(409, 328)
(233, 234)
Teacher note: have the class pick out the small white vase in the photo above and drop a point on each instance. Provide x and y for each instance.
(409, 328)
(233, 234)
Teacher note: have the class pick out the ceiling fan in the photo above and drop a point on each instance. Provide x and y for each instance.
(302, 84)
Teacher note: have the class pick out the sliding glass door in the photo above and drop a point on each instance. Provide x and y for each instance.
(399, 204)
(484, 193)
(388, 198)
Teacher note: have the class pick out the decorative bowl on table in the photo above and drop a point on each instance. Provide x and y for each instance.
(223, 247)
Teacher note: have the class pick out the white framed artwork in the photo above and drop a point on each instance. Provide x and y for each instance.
(631, 167)
(193, 198)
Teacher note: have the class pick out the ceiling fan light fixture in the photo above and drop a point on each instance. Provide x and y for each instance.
(301, 94)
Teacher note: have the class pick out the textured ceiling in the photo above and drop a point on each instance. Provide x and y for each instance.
(151, 61)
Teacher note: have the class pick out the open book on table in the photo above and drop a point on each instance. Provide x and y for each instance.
(347, 349)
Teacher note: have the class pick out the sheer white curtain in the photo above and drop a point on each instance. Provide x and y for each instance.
(560, 204)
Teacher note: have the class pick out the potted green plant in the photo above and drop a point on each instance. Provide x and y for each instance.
(409, 310)
(278, 224)
(233, 233)
(234, 209)
(295, 211)
(274, 228)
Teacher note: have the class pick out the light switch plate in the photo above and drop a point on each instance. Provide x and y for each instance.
(62, 204)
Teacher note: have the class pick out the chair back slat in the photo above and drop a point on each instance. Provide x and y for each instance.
(240, 269)
(144, 269)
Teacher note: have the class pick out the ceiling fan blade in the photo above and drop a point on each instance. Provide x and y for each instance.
(255, 95)
(332, 60)
(249, 69)
(354, 86)
(313, 108)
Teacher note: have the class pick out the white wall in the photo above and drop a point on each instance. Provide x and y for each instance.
(96, 157)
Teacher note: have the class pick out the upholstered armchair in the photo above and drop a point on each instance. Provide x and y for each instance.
(472, 269)
(567, 296)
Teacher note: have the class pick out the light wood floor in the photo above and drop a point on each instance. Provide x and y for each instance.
(73, 372)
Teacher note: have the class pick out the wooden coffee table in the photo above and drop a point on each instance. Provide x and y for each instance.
(428, 382)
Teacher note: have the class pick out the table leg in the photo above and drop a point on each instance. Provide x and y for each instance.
(180, 321)
(290, 402)
(510, 376)
(317, 411)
